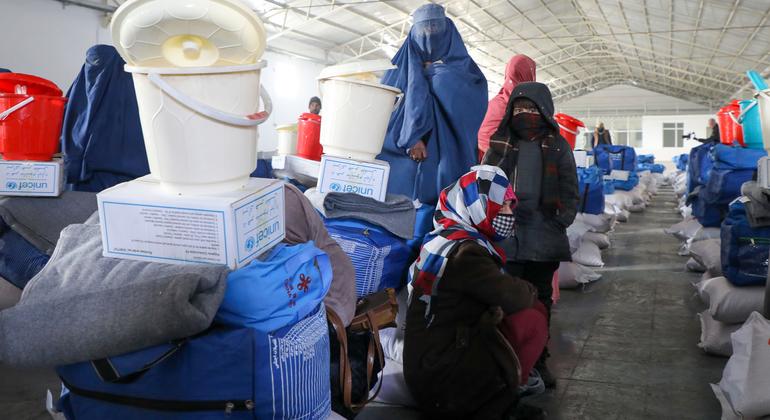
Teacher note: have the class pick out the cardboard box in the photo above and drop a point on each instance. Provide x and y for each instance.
(29, 178)
(369, 179)
(142, 222)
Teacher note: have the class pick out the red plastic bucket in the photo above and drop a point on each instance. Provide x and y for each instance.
(569, 127)
(31, 111)
(735, 114)
(309, 137)
(728, 117)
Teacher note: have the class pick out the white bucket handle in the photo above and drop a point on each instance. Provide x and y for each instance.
(734, 118)
(568, 130)
(745, 111)
(201, 108)
(20, 105)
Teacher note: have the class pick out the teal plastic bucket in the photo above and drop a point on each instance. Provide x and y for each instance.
(752, 127)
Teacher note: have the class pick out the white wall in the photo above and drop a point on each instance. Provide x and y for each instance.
(652, 134)
(42, 38)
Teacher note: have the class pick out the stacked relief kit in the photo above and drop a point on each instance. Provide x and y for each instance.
(31, 110)
(357, 110)
(196, 69)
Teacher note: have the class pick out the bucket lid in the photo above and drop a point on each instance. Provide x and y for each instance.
(357, 67)
(286, 127)
(187, 33)
(28, 85)
(567, 119)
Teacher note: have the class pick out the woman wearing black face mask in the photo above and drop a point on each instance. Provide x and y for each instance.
(540, 165)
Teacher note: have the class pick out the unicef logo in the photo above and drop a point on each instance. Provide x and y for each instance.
(335, 186)
(250, 243)
(10, 185)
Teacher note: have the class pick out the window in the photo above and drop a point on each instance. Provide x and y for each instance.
(672, 134)
(631, 138)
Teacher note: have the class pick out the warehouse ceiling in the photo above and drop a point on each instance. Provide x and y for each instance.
(695, 50)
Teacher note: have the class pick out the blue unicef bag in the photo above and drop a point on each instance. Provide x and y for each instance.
(380, 258)
(745, 250)
(591, 190)
(609, 158)
(278, 290)
(223, 373)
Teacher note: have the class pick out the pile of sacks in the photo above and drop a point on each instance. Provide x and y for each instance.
(734, 261)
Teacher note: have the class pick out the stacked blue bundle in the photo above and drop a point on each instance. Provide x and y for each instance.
(649, 159)
(591, 189)
(744, 250)
(618, 158)
(699, 166)
(381, 259)
(717, 173)
(681, 161)
(280, 374)
(732, 166)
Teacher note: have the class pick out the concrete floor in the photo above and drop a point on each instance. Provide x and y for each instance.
(625, 348)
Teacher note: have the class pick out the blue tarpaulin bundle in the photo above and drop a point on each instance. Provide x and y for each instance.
(681, 161)
(591, 190)
(646, 159)
(744, 249)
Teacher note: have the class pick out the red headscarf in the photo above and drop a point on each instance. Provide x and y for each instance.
(520, 69)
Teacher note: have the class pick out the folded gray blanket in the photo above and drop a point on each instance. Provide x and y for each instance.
(396, 213)
(758, 206)
(83, 306)
(39, 220)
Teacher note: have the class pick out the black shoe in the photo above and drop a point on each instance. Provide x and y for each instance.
(527, 412)
(548, 379)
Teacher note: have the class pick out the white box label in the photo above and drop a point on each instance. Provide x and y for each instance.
(170, 233)
(258, 224)
(348, 176)
(30, 178)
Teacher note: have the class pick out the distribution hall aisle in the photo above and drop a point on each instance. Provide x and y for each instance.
(626, 348)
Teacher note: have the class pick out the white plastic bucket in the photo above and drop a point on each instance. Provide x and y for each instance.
(197, 134)
(763, 100)
(287, 139)
(355, 117)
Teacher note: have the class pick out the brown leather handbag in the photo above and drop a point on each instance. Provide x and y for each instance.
(360, 352)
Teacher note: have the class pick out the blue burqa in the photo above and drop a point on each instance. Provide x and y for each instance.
(101, 136)
(444, 105)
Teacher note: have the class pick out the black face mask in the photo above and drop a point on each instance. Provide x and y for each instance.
(527, 126)
(601, 129)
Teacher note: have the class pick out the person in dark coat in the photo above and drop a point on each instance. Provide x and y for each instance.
(540, 164)
(467, 320)
(714, 137)
(601, 135)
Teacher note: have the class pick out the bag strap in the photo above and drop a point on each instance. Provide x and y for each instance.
(375, 350)
(346, 377)
(584, 198)
(107, 372)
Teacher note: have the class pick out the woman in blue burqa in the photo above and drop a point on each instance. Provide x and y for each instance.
(431, 138)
